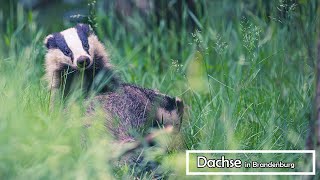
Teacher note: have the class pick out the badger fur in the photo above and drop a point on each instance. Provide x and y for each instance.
(76, 57)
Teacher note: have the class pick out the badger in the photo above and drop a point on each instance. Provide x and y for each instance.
(130, 112)
(134, 109)
(76, 59)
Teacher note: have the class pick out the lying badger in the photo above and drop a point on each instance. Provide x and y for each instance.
(138, 109)
(76, 54)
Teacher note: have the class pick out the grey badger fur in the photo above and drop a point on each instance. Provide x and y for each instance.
(77, 51)
(137, 109)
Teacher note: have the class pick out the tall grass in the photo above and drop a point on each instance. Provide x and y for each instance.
(245, 74)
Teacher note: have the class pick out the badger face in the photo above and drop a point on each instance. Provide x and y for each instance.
(170, 111)
(71, 47)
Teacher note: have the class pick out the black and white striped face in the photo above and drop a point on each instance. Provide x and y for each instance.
(71, 47)
(170, 111)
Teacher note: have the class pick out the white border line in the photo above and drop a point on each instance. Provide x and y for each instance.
(313, 152)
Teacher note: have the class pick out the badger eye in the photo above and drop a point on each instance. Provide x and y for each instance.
(86, 45)
(67, 51)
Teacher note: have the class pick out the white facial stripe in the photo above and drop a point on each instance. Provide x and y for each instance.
(74, 43)
(172, 116)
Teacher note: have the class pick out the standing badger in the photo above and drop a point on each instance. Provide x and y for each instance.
(75, 56)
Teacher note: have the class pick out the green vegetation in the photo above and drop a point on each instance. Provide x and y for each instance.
(244, 71)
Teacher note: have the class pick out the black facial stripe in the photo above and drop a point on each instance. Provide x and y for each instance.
(51, 43)
(170, 103)
(83, 33)
(62, 45)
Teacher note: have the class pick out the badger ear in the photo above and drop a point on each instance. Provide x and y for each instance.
(50, 42)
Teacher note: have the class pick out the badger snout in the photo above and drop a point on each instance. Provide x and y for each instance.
(83, 62)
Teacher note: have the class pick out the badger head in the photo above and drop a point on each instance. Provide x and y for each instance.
(169, 111)
(74, 47)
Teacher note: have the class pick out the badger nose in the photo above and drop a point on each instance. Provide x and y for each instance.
(83, 61)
